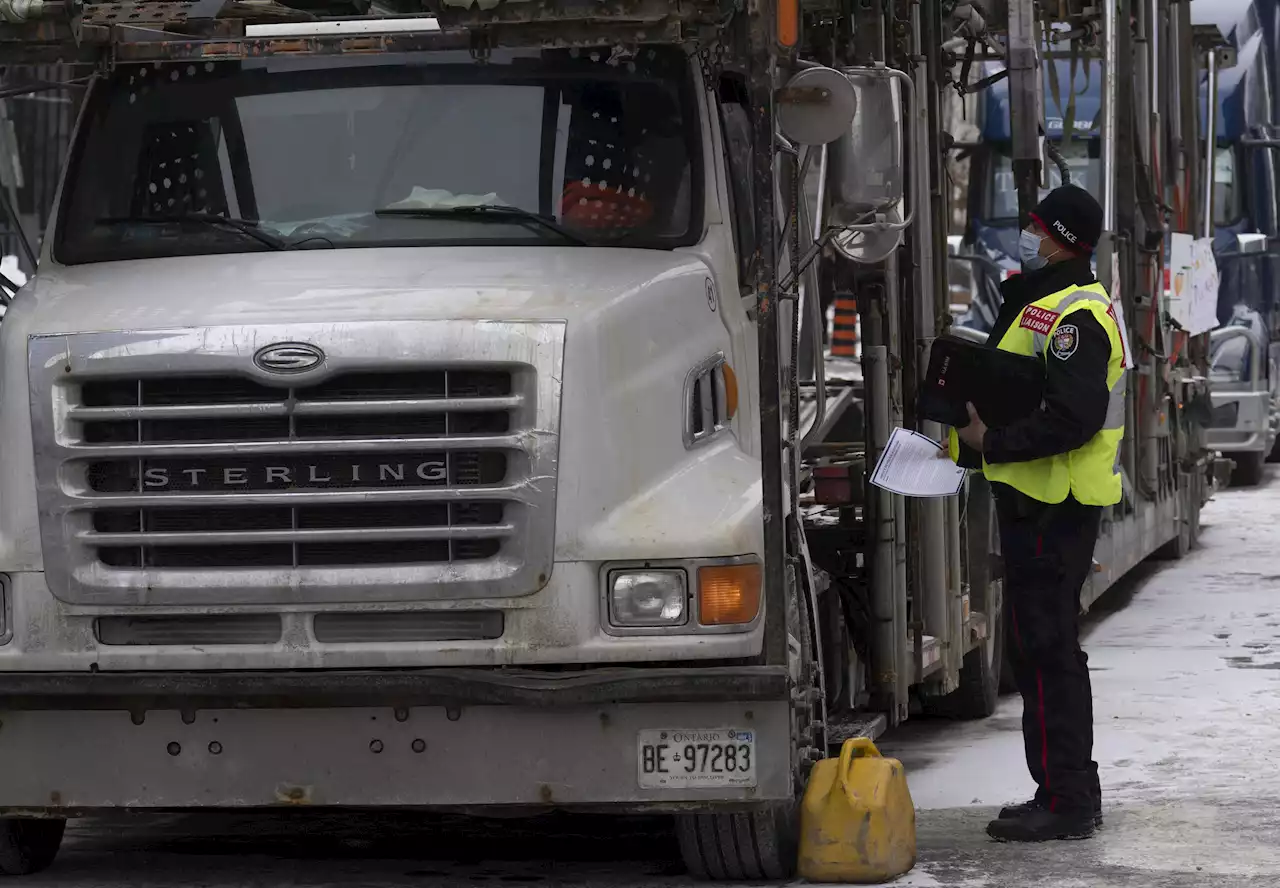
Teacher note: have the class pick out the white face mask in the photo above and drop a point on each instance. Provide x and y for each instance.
(1029, 251)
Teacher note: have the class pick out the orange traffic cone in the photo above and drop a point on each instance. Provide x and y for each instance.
(844, 336)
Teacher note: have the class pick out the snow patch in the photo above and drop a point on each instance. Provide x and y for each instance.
(921, 878)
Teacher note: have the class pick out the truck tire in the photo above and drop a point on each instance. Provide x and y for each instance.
(1249, 469)
(747, 846)
(758, 845)
(980, 679)
(29, 846)
(979, 690)
(1178, 547)
(980, 673)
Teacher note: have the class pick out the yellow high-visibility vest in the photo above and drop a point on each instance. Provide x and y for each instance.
(1090, 473)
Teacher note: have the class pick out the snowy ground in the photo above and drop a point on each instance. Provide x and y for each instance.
(1186, 668)
(1185, 661)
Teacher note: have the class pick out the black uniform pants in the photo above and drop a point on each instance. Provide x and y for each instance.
(1048, 554)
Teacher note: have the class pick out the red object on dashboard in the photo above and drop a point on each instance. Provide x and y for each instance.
(591, 206)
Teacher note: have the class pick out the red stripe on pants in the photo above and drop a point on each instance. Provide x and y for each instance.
(1044, 729)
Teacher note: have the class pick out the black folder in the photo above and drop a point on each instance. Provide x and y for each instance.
(1002, 386)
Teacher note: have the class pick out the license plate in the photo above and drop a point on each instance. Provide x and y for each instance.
(676, 758)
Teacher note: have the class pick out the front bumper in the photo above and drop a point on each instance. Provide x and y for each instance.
(143, 691)
(424, 738)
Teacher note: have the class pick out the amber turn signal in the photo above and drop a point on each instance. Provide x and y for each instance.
(728, 594)
(730, 392)
(788, 12)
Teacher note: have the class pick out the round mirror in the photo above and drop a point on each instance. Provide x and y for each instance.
(867, 247)
(816, 107)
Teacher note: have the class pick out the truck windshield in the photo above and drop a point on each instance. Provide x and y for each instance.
(386, 151)
(1229, 360)
(1002, 193)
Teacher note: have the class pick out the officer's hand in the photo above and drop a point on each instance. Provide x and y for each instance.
(975, 433)
(944, 453)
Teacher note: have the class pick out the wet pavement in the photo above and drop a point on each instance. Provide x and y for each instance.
(1185, 660)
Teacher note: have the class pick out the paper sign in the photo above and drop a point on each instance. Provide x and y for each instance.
(1203, 312)
(1192, 283)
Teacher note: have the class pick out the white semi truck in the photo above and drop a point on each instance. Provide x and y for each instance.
(423, 406)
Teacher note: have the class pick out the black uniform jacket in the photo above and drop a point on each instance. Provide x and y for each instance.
(1075, 394)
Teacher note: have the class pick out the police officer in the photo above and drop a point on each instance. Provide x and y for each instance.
(1052, 473)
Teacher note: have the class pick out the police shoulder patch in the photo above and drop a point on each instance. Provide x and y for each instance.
(1064, 341)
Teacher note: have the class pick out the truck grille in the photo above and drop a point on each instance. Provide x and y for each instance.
(204, 409)
(392, 477)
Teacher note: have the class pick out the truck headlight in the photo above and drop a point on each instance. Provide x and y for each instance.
(648, 598)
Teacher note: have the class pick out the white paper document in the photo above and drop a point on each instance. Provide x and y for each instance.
(910, 466)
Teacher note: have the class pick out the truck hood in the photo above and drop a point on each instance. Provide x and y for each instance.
(526, 283)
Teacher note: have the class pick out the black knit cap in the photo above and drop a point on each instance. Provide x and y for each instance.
(1071, 217)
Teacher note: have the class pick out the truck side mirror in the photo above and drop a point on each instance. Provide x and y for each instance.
(867, 167)
(817, 106)
(866, 171)
(1251, 243)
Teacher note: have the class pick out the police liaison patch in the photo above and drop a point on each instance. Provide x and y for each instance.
(1064, 342)
(1037, 319)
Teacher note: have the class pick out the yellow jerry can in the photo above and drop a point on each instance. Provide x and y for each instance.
(857, 822)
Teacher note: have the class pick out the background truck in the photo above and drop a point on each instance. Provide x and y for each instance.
(1246, 398)
(989, 240)
(425, 405)
(1244, 350)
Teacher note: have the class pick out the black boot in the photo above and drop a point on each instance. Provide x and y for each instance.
(1013, 812)
(1043, 825)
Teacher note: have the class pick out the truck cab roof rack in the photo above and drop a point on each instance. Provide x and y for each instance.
(134, 31)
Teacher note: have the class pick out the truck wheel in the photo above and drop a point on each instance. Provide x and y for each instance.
(749, 846)
(979, 676)
(980, 673)
(28, 846)
(1249, 469)
(759, 845)
(1176, 548)
(979, 689)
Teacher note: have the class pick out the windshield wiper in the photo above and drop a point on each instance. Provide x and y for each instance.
(245, 226)
(485, 211)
